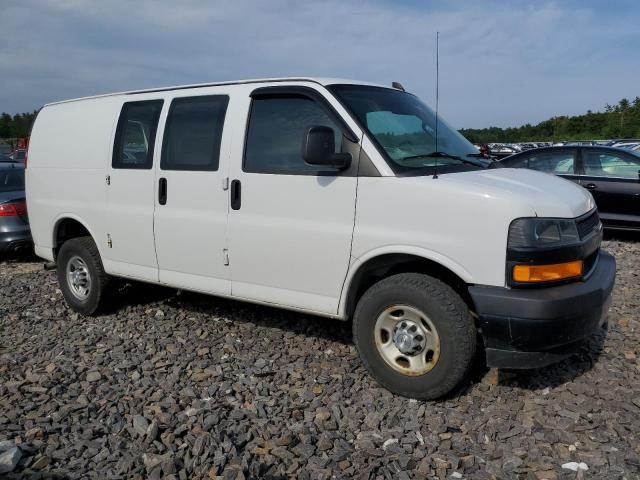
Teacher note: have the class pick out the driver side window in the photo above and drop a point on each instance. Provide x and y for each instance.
(276, 131)
(553, 162)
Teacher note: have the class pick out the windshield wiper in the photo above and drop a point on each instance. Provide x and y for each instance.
(445, 155)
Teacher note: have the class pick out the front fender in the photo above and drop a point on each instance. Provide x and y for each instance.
(356, 263)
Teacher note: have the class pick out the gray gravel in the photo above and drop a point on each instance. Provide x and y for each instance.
(188, 386)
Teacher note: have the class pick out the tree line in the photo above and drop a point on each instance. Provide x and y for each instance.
(16, 126)
(617, 121)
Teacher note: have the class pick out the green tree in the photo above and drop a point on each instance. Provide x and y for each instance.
(616, 121)
(5, 125)
(16, 126)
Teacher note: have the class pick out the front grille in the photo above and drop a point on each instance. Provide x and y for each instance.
(588, 224)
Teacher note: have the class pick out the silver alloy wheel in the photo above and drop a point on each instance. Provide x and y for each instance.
(407, 340)
(78, 278)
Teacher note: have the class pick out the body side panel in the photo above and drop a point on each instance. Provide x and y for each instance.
(68, 155)
(463, 229)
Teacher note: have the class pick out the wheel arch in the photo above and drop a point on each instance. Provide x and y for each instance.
(367, 270)
(68, 226)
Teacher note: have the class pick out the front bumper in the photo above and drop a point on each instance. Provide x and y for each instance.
(531, 328)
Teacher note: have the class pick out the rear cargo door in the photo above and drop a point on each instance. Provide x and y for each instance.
(130, 193)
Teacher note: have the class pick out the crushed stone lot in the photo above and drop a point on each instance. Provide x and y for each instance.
(180, 385)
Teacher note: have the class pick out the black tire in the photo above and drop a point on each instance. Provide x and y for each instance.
(84, 248)
(446, 311)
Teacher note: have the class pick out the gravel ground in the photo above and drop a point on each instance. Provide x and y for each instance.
(188, 386)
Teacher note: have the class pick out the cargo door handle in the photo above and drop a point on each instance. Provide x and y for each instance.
(591, 186)
(236, 197)
(162, 191)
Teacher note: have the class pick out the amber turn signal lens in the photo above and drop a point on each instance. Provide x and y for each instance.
(547, 273)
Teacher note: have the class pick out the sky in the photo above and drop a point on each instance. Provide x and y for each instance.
(501, 63)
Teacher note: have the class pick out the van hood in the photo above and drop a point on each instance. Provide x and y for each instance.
(548, 195)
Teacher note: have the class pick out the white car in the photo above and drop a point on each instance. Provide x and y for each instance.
(331, 197)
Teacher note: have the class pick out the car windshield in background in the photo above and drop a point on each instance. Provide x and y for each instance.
(11, 179)
(405, 128)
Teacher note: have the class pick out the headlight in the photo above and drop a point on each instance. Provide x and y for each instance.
(542, 232)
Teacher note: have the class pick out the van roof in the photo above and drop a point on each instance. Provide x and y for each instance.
(318, 80)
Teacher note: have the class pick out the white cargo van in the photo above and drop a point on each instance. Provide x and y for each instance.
(338, 198)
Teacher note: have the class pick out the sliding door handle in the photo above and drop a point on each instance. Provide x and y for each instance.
(591, 186)
(236, 195)
(162, 191)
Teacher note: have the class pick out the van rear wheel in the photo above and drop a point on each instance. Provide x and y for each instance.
(415, 335)
(81, 276)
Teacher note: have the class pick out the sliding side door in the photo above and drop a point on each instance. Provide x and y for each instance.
(191, 201)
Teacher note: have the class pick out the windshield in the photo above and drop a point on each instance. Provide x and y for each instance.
(405, 129)
(11, 179)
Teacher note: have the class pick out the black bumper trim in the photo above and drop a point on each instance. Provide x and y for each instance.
(542, 324)
(517, 359)
(15, 241)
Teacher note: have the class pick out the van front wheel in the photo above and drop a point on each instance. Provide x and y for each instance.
(415, 335)
(81, 275)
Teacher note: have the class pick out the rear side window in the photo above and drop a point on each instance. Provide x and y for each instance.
(136, 134)
(277, 128)
(605, 164)
(193, 133)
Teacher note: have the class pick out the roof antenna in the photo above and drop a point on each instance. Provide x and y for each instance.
(435, 168)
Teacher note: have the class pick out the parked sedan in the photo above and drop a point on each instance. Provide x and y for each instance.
(611, 175)
(14, 225)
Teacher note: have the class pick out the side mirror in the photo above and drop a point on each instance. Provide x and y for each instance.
(319, 148)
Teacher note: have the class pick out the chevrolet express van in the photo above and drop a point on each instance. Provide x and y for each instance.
(337, 198)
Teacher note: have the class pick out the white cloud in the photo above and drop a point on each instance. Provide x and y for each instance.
(500, 64)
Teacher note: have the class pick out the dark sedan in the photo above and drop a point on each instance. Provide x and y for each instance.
(610, 174)
(14, 225)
